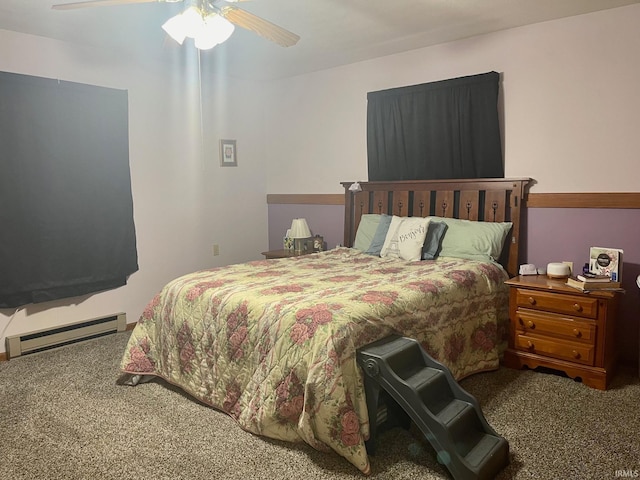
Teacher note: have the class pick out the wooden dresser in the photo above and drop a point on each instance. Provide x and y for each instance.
(558, 327)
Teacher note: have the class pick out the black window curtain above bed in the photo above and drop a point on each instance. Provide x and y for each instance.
(438, 130)
(66, 208)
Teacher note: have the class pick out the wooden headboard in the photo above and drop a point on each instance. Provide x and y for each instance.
(487, 199)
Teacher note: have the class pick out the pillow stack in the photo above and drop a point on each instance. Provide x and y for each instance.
(418, 238)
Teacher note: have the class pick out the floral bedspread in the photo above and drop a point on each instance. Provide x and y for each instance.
(273, 342)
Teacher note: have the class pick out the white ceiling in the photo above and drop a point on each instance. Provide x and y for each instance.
(333, 32)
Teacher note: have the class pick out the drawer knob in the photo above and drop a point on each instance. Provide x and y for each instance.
(577, 307)
(575, 354)
(532, 300)
(530, 324)
(577, 332)
(530, 345)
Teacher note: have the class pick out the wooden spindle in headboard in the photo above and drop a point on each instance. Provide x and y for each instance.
(400, 203)
(495, 204)
(380, 202)
(469, 205)
(421, 203)
(444, 204)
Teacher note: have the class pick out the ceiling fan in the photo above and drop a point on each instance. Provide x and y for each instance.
(209, 22)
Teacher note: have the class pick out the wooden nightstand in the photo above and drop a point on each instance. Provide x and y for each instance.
(558, 327)
(284, 253)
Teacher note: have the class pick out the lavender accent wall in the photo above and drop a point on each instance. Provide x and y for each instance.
(325, 220)
(565, 234)
(550, 235)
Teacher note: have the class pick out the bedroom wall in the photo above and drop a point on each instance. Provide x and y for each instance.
(570, 113)
(183, 200)
(569, 104)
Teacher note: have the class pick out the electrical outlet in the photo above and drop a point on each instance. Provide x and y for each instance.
(216, 250)
(570, 266)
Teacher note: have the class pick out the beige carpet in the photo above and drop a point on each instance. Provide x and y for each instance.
(62, 416)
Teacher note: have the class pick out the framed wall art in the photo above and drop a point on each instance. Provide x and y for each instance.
(228, 154)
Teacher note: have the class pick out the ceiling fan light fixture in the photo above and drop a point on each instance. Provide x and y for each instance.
(215, 30)
(193, 21)
(176, 28)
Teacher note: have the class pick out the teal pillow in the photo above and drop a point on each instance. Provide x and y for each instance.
(381, 233)
(473, 240)
(432, 243)
(366, 231)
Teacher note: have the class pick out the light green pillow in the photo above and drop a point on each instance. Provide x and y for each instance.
(473, 240)
(366, 231)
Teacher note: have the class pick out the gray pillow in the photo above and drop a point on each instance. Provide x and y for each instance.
(381, 233)
(432, 242)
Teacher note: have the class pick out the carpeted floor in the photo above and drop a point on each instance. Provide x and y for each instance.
(62, 416)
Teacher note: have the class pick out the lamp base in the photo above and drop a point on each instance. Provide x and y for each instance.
(301, 244)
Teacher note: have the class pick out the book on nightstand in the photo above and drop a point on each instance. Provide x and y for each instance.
(593, 278)
(593, 284)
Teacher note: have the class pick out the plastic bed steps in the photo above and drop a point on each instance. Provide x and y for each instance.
(401, 377)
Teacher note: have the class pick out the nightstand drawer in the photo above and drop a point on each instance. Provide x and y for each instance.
(582, 306)
(558, 326)
(570, 351)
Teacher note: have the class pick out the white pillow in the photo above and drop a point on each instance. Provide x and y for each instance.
(405, 238)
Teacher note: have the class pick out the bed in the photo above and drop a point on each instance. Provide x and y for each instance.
(273, 342)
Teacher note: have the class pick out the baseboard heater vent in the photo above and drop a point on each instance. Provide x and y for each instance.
(59, 336)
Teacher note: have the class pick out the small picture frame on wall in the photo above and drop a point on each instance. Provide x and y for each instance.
(228, 154)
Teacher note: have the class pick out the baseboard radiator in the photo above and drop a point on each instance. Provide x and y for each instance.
(47, 339)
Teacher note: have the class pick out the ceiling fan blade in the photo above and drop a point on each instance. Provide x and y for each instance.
(262, 27)
(104, 3)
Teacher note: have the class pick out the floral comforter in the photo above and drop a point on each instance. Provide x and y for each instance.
(273, 343)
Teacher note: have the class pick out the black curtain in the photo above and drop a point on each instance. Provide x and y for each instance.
(66, 209)
(437, 130)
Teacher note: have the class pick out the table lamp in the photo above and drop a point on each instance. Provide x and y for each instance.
(300, 233)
